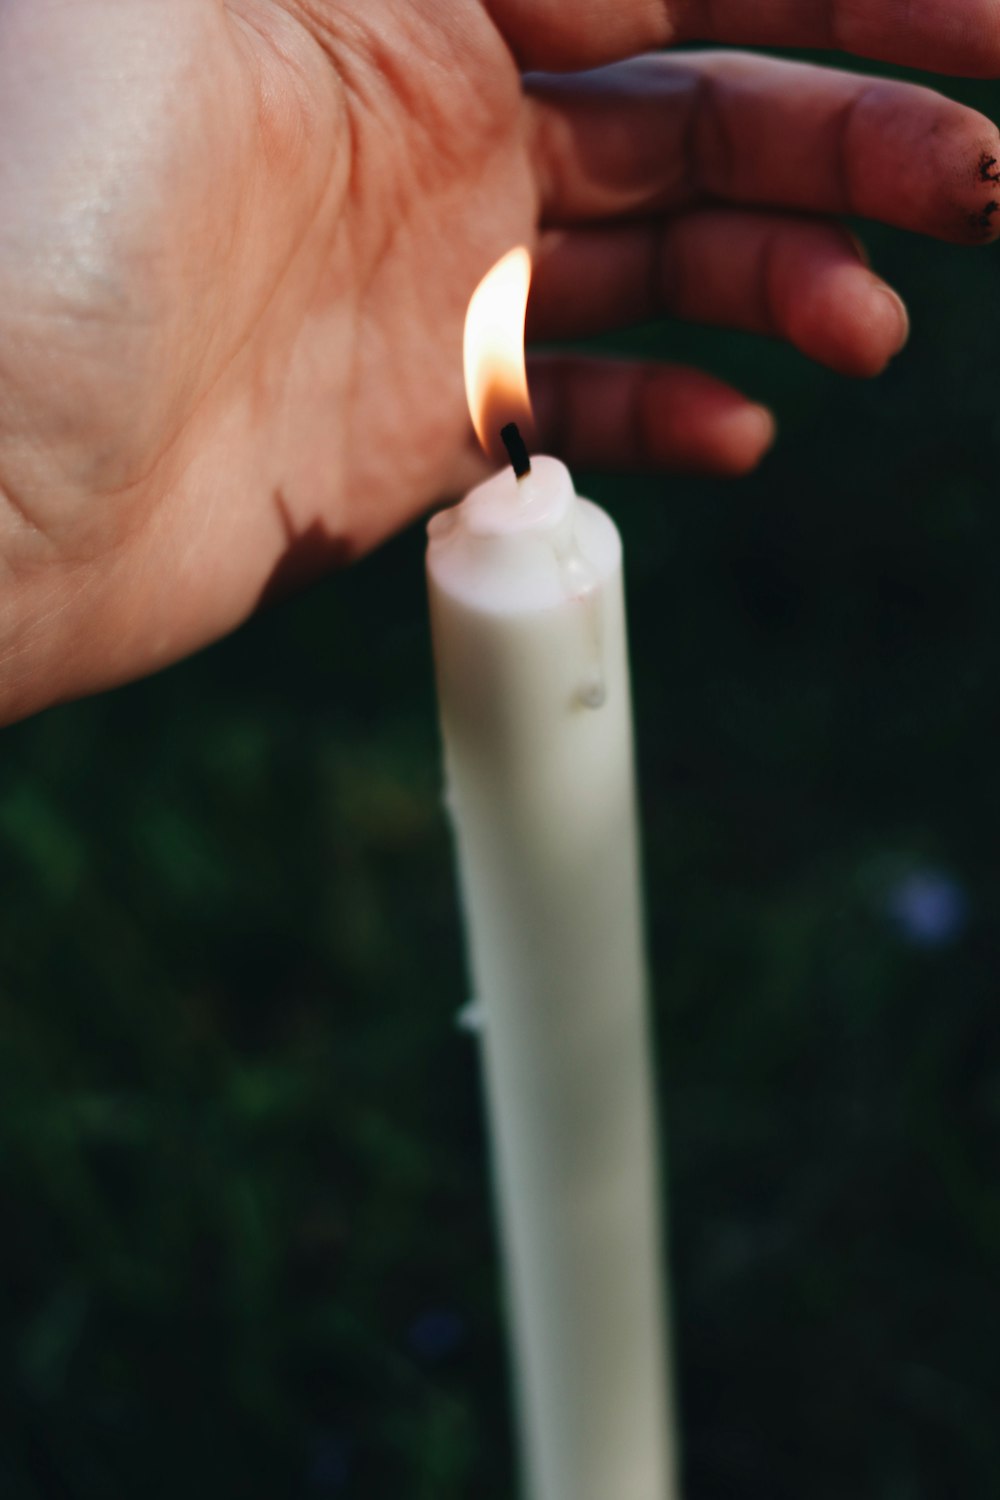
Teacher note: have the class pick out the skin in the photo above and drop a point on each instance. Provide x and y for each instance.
(237, 243)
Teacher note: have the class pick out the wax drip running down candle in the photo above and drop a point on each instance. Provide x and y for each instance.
(528, 619)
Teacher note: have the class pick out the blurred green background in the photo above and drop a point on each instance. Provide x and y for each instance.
(246, 1243)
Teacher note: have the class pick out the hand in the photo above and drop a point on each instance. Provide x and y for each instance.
(237, 242)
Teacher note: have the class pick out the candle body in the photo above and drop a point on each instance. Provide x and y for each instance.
(529, 635)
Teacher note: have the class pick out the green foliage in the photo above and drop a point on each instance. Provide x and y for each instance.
(241, 1158)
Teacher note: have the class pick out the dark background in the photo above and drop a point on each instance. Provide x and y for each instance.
(245, 1236)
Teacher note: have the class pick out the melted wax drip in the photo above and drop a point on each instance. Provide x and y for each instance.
(580, 582)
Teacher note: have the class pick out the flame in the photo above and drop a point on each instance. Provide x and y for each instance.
(496, 381)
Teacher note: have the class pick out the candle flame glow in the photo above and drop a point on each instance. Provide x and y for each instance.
(496, 381)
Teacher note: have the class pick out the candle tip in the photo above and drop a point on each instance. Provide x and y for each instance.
(516, 450)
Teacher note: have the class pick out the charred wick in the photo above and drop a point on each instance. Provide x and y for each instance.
(517, 452)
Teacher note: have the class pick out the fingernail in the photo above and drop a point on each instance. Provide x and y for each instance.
(860, 247)
(762, 423)
(747, 434)
(901, 315)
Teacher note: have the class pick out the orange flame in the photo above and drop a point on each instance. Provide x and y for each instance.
(496, 381)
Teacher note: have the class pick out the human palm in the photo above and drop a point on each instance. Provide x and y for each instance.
(237, 242)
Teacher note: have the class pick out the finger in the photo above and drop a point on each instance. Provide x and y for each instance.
(797, 279)
(943, 36)
(659, 133)
(600, 414)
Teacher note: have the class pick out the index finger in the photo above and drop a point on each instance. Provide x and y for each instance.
(657, 134)
(942, 36)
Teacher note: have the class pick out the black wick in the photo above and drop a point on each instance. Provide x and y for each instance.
(517, 452)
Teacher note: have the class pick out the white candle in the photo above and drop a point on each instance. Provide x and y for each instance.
(528, 624)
